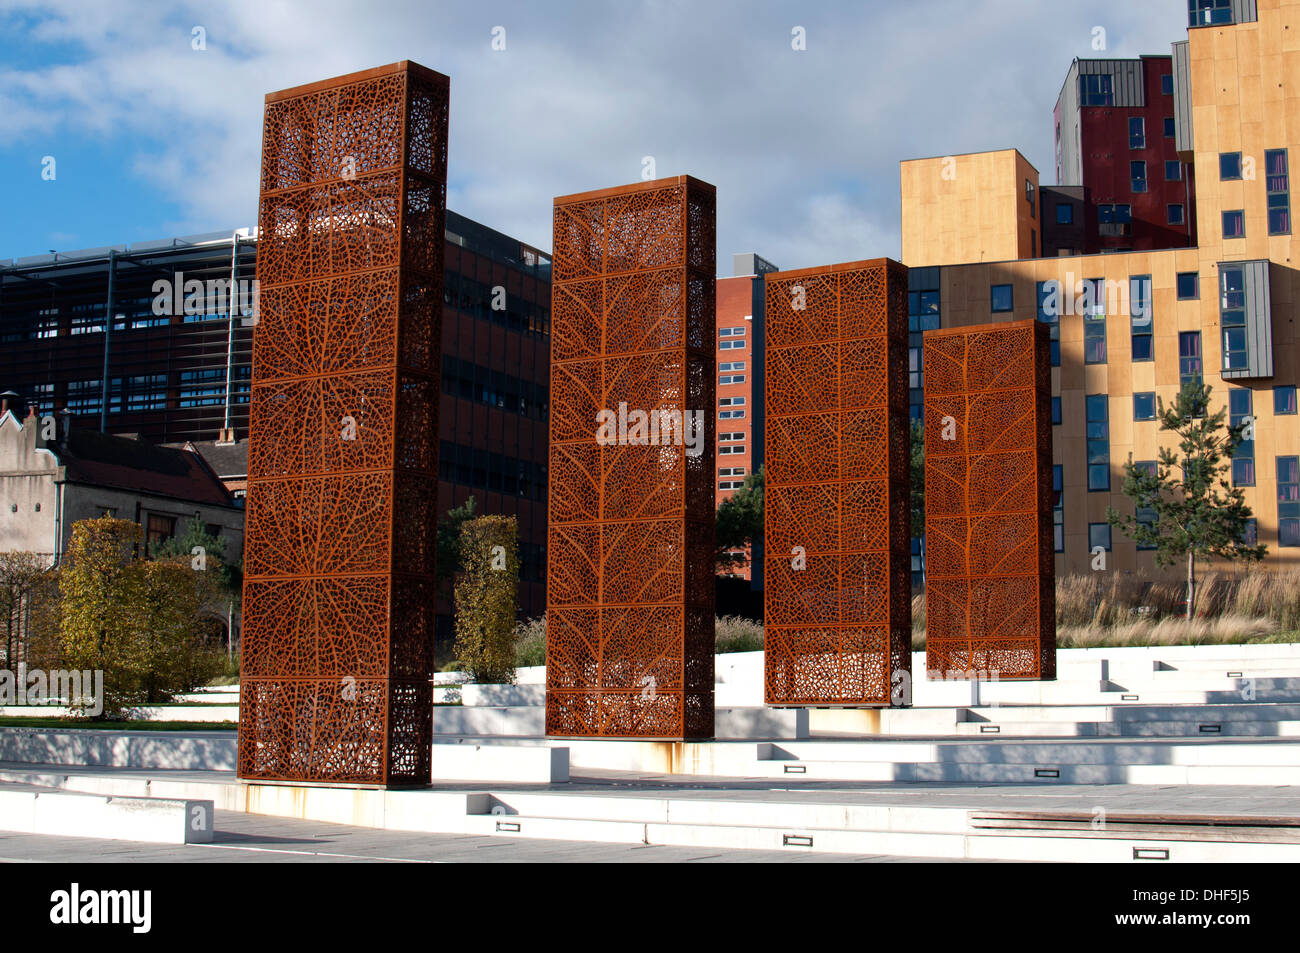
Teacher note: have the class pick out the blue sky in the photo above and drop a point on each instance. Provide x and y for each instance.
(153, 138)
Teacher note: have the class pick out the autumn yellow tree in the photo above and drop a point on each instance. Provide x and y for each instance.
(487, 598)
(139, 621)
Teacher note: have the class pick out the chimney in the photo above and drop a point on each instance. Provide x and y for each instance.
(226, 436)
(67, 422)
(7, 399)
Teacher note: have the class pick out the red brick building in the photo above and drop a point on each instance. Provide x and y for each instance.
(740, 378)
(1115, 136)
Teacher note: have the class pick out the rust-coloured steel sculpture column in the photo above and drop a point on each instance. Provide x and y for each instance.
(336, 680)
(838, 480)
(990, 601)
(629, 647)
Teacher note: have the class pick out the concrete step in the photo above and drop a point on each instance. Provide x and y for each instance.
(530, 721)
(1036, 752)
(1129, 729)
(193, 751)
(28, 810)
(822, 825)
(920, 832)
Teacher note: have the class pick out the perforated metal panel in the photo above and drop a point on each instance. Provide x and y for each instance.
(629, 650)
(837, 546)
(336, 679)
(990, 608)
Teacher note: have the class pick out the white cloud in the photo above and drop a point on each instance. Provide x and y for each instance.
(803, 146)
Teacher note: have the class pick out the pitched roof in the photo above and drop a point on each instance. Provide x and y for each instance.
(91, 457)
(227, 460)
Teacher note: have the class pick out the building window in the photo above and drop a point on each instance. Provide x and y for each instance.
(84, 397)
(731, 332)
(729, 366)
(1171, 128)
(1208, 12)
(1094, 339)
(1176, 215)
(1144, 406)
(731, 415)
(1145, 514)
(1278, 181)
(1250, 535)
(735, 435)
(1141, 317)
(1288, 501)
(1097, 90)
(1229, 165)
(1137, 132)
(1189, 285)
(923, 310)
(1234, 224)
(1232, 317)
(1190, 370)
(731, 471)
(730, 345)
(1029, 197)
(1056, 411)
(1049, 312)
(1058, 507)
(1114, 215)
(1137, 173)
(1166, 84)
(1064, 214)
(731, 401)
(1173, 170)
(1033, 244)
(731, 448)
(1001, 298)
(159, 529)
(1098, 414)
(1094, 298)
(1099, 536)
(1284, 400)
(731, 379)
(1241, 411)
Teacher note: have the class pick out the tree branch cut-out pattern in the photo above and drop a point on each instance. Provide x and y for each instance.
(838, 559)
(629, 649)
(336, 679)
(990, 574)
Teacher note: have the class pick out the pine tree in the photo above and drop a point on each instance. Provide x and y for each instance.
(1193, 508)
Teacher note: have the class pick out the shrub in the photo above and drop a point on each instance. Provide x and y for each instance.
(530, 642)
(732, 633)
(487, 598)
(140, 622)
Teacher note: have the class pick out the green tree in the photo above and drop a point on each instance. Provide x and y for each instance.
(210, 555)
(1191, 507)
(487, 598)
(448, 561)
(141, 622)
(739, 522)
(21, 578)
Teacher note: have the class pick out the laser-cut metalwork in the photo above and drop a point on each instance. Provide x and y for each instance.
(336, 677)
(629, 648)
(838, 476)
(990, 576)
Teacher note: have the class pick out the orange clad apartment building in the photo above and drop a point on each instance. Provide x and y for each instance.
(1130, 327)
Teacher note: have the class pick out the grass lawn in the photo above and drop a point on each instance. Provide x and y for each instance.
(86, 723)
